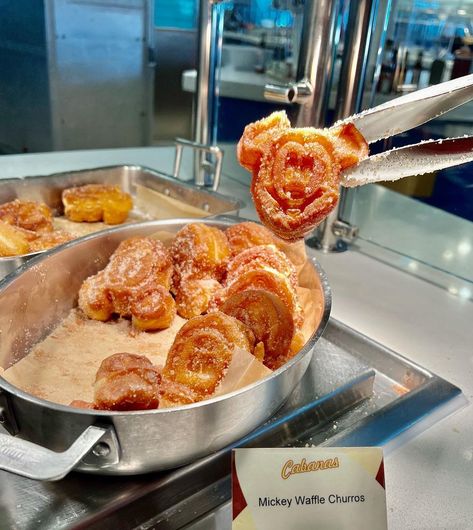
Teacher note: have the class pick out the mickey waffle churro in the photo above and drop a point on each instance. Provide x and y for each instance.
(202, 352)
(134, 284)
(96, 202)
(296, 172)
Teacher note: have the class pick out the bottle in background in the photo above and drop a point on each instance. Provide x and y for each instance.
(463, 59)
(417, 70)
(437, 69)
(388, 67)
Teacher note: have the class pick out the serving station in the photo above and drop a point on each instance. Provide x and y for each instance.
(356, 391)
(392, 368)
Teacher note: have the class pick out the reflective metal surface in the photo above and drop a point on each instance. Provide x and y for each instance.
(35, 299)
(33, 461)
(98, 58)
(209, 53)
(411, 110)
(338, 396)
(75, 74)
(360, 28)
(173, 105)
(359, 31)
(426, 157)
(214, 169)
(391, 118)
(48, 189)
(24, 81)
(316, 55)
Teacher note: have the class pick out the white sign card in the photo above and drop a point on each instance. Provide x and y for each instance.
(309, 488)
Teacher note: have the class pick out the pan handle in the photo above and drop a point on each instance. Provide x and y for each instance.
(33, 461)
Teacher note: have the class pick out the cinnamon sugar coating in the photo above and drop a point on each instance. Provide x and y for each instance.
(194, 296)
(261, 257)
(245, 235)
(94, 299)
(202, 351)
(296, 171)
(173, 393)
(350, 146)
(135, 283)
(13, 242)
(297, 184)
(152, 309)
(29, 215)
(27, 226)
(268, 318)
(138, 264)
(126, 381)
(267, 280)
(199, 251)
(47, 240)
(257, 138)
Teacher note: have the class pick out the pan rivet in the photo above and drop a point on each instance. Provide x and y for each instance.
(167, 191)
(206, 207)
(101, 449)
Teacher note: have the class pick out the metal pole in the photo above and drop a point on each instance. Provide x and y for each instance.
(360, 27)
(209, 53)
(359, 31)
(316, 57)
(314, 67)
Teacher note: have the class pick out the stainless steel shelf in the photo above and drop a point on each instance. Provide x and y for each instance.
(355, 392)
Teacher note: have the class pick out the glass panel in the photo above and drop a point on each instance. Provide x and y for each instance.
(175, 13)
(260, 45)
(425, 223)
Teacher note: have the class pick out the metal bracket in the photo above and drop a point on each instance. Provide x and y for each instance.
(299, 92)
(105, 453)
(213, 168)
(344, 230)
(333, 236)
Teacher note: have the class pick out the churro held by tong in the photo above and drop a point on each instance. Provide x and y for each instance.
(297, 172)
(296, 178)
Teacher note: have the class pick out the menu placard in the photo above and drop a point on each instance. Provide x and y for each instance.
(305, 488)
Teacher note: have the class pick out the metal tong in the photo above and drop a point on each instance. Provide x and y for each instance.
(402, 114)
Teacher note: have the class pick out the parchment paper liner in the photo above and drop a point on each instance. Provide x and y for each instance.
(62, 367)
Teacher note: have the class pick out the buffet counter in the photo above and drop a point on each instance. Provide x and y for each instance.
(428, 470)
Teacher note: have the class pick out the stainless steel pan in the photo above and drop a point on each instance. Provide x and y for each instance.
(33, 301)
(48, 189)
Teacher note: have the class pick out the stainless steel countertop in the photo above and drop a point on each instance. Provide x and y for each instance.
(429, 478)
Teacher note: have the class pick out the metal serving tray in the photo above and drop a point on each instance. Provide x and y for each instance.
(176, 198)
(355, 392)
